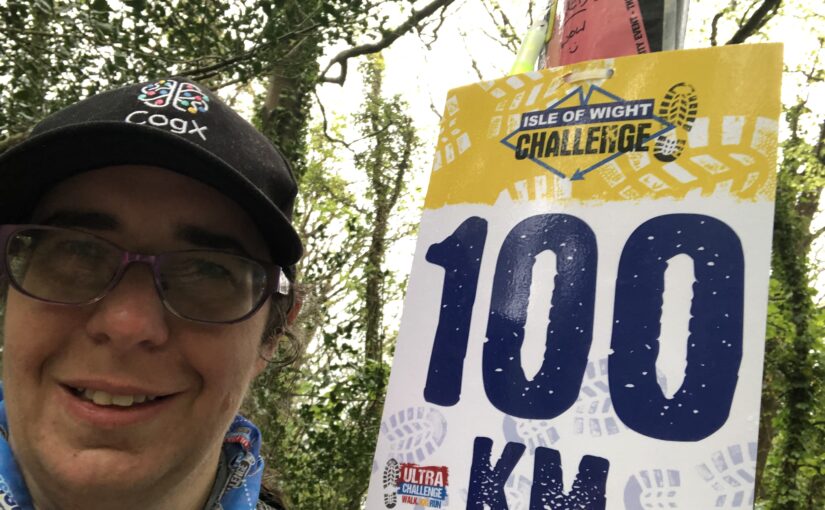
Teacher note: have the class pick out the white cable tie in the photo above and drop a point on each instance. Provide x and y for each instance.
(283, 283)
(588, 75)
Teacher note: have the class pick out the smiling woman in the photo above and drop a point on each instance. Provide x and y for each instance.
(149, 273)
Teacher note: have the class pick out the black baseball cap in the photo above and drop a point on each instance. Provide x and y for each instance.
(173, 123)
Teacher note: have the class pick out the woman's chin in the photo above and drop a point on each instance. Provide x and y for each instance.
(102, 471)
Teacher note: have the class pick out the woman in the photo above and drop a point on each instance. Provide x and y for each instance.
(148, 251)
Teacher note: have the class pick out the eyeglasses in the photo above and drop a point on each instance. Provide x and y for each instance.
(70, 267)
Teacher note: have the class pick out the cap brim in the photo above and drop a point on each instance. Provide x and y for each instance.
(37, 164)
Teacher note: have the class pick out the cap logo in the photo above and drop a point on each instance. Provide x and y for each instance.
(183, 96)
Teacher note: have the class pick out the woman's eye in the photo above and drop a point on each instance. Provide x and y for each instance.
(194, 270)
(81, 248)
(212, 270)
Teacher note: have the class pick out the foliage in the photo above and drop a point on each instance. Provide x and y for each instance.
(338, 395)
(56, 52)
(794, 476)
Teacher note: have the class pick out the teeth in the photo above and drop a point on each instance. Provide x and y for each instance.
(102, 398)
(123, 400)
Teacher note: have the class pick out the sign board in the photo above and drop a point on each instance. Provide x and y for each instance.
(585, 319)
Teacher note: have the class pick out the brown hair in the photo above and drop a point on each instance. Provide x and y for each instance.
(278, 326)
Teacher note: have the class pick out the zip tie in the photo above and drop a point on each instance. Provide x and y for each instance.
(588, 75)
(283, 283)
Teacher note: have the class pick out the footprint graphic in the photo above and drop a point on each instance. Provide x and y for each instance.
(530, 433)
(653, 488)
(414, 433)
(679, 107)
(731, 472)
(594, 413)
(390, 483)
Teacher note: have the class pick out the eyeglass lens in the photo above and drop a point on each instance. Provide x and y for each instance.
(72, 267)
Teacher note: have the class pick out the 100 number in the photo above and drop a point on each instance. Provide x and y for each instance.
(701, 405)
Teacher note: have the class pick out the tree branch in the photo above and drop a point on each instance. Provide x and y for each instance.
(817, 233)
(714, 27)
(346, 144)
(507, 35)
(201, 73)
(325, 123)
(442, 17)
(387, 38)
(761, 16)
(435, 110)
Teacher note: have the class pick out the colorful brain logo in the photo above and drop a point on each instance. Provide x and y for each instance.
(183, 96)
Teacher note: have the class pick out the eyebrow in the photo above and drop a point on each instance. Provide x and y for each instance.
(82, 219)
(208, 239)
(191, 234)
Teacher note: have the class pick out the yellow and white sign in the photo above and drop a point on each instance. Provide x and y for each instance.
(584, 324)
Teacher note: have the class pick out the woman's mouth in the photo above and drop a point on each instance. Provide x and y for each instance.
(102, 398)
(108, 411)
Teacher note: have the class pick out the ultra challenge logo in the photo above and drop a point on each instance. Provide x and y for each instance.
(422, 486)
(595, 129)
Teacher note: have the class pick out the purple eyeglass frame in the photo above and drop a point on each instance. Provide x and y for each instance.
(276, 281)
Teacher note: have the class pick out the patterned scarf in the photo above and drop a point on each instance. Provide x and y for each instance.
(238, 490)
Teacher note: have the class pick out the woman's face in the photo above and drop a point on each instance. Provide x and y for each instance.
(125, 346)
